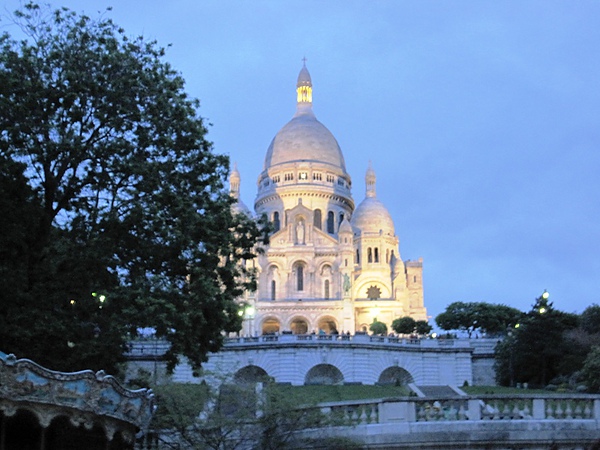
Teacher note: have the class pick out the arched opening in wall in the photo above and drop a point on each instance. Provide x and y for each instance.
(376, 255)
(324, 374)
(318, 219)
(273, 278)
(276, 222)
(63, 434)
(341, 220)
(270, 326)
(414, 300)
(299, 272)
(330, 222)
(369, 255)
(325, 275)
(387, 256)
(357, 256)
(250, 375)
(395, 376)
(299, 325)
(22, 429)
(328, 325)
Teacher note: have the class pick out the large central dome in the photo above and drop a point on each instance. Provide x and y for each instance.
(304, 138)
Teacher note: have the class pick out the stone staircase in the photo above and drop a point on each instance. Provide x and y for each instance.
(437, 391)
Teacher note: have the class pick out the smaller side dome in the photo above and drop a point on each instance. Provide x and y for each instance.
(345, 227)
(371, 216)
(234, 190)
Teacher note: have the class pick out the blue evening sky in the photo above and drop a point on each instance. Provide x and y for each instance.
(481, 119)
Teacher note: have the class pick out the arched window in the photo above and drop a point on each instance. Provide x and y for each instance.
(326, 289)
(341, 219)
(273, 290)
(299, 277)
(357, 256)
(387, 256)
(376, 255)
(317, 220)
(369, 255)
(330, 222)
(276, 222)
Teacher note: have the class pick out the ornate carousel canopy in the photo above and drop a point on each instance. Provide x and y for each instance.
(85, 400)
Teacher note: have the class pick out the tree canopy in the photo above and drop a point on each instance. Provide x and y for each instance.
(116, 213)
(378, 328)
(404, 325)
(478, 316)
(537, 350)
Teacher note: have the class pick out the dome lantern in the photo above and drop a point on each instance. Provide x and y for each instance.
(370, 180)
(304, 86)
(234, 182)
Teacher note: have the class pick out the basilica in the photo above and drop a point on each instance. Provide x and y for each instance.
(330, 266)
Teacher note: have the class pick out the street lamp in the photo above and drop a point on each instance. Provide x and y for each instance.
(247, 314)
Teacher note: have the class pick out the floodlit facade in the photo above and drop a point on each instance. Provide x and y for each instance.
(330, 266)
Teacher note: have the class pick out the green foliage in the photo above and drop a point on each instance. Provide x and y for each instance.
(590, 319)
(313, 394)
(591, 370)
(240, 416)
(422, 327)
(179, 404)
(378, 328)
(537, 351)
(404, 325)
(485, 317)
(114, 192)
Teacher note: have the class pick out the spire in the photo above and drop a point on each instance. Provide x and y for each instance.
(370, 180)
(304, 86)
(234, 182)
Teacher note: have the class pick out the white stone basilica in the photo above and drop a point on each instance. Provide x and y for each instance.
(329, 267)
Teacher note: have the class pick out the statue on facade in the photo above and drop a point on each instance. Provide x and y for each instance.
(300, 232)
(346, 284)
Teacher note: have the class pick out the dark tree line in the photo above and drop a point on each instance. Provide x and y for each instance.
(114, 209)
(539, 347)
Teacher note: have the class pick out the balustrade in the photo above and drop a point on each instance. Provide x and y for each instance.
(466, 408)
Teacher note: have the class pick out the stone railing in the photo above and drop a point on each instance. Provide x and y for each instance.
(149, 348)
(479, 422)
(347, 339)
(467, 408)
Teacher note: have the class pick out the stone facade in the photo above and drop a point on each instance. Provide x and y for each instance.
(330, 266)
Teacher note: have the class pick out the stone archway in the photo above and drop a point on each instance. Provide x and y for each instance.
(327, 324)
(395, 375)
(324, 374)
(270, 325)
(251, 374)
(299, 325)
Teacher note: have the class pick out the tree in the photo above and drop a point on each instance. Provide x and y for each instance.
(485, 317)
(129, 223)
(422, 327)
(590, 319)
(536, 351)
(241, 415)
(404, 325)
(378, 328)
(591, 370)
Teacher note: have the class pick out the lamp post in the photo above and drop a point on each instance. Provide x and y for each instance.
(247, 314)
